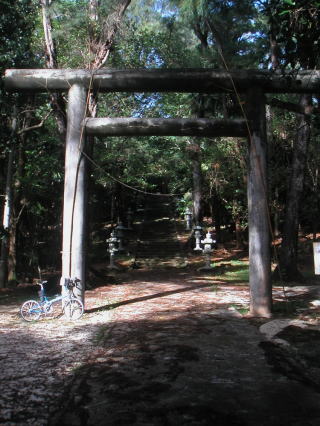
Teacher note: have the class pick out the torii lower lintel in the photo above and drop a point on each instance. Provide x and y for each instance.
(201, 127)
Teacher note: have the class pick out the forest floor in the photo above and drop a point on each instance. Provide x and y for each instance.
(165, 345)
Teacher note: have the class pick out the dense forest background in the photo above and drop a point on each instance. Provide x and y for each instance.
(206, 174)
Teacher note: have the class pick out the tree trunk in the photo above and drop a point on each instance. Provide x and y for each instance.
(7, 212)
(56, 99)
(6, 223)
(289, 247)
(12, 255)
(197, 189)
(100, 45)
(18, 205)
(239, 237)
(315, 191)
(216, 213)
(195, 156)
(276, 227)
(274, 47)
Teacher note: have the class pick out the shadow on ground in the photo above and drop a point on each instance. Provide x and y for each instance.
(186, 368)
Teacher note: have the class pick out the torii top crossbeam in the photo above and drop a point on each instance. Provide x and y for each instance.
(164, 80)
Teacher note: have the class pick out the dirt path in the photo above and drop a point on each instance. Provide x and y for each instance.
(161, 348)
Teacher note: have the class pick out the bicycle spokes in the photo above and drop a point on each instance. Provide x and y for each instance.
(30, 310)
(73, 309)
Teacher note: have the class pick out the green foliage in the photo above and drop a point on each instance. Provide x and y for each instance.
(70, 32)
(226, 30)
(242, 309)
(297, 30)
(235, 271)
(16, 26)
(154, 43)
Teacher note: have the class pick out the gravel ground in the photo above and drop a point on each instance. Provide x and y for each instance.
(37, 361)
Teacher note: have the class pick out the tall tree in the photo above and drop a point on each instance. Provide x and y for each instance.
(15, 51)
(224, 45)
(8, 204)
(294, 40)
(289, 247)
(57, 100)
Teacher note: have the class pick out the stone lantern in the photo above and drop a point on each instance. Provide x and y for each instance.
(119, 232)
(207, 250)
(197, 235)
(188, 218)
(112, 249)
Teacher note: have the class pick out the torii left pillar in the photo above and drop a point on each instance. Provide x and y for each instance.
(259, 232)
(75, 193)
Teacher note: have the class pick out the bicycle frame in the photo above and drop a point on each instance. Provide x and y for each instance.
(45, 302)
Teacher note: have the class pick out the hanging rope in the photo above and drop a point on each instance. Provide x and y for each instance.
(141, 191)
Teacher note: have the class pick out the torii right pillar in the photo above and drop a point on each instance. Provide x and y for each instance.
(258, 212)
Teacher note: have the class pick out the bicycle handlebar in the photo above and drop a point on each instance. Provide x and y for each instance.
(71, 282)
(41, 284)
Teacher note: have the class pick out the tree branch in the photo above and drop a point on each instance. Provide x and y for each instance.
(36, 126)
(102, 46)
(51, 58)
(290, 106)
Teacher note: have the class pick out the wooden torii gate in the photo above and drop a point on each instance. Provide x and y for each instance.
(253, 84)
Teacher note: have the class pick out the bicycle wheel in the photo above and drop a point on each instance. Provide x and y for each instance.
(73, 309)
(30, 310)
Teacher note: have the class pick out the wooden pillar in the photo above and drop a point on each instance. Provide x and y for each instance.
(258, 221)
(75, 197)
